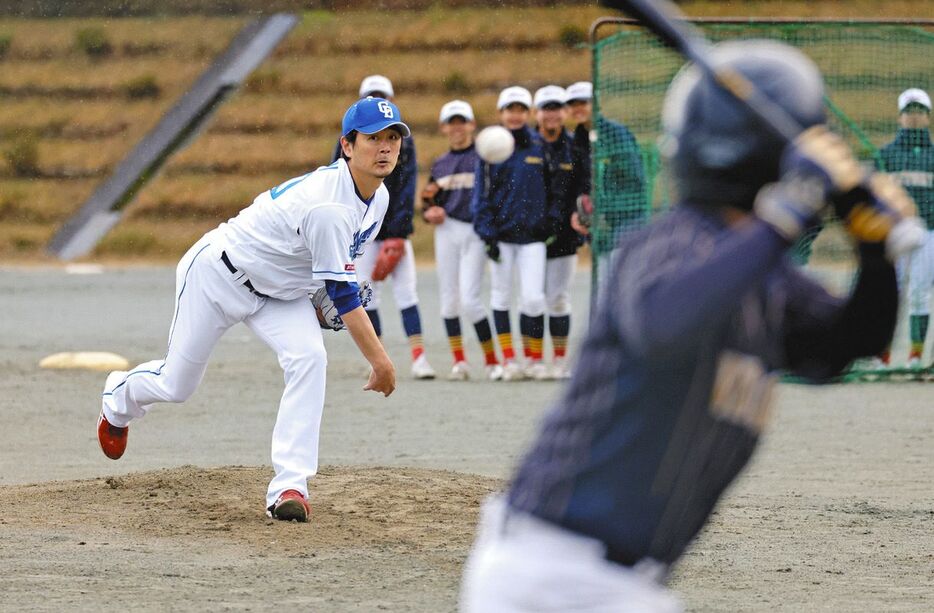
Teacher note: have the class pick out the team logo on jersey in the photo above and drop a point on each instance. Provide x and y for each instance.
(386, 109)
(359, 238)
(349, 268)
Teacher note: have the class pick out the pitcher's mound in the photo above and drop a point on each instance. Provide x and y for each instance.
(403, 509)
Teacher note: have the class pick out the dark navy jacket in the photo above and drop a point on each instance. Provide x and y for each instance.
(673, 381)
(566, 182)
(910, 159)
(455, 172)
(401, 185)
(510, 201)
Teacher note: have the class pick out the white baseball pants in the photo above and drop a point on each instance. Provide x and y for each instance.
(529, 262)
(209, 300)
(558, 275)
(461, 258)
(521, 564)
(403, 276)
(919, 266)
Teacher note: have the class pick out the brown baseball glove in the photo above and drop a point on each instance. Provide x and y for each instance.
(389, 255)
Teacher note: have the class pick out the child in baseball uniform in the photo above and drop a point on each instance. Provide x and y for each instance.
(511, 215)
(459, 252)
(393, 246)
(910, 160)
(259, 268)
(565, 184)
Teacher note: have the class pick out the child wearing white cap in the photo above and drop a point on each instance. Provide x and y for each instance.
(394, 237)
(910, 159)
(621, 184)
(510, 208)
(565, 184)
(459, 252)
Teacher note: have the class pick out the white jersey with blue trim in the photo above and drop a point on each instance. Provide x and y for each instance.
(307, 230)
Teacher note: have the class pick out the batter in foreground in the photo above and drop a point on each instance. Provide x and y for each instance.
(673, 385)
(297, 240)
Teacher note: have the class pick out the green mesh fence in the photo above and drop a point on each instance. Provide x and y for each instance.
(865, 67)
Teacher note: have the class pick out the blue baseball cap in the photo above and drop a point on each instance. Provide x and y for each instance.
(370, 115)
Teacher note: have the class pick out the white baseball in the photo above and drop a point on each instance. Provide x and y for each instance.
(495, 144)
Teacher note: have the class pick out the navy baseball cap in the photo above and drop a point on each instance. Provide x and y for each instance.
(370, 115)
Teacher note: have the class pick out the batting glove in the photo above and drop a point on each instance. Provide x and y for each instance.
(816, 166)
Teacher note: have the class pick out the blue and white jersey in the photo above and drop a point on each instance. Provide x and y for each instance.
(675, 378)
(455, 173)
(304, 231)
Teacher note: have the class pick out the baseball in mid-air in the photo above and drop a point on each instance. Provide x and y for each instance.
(495, 144)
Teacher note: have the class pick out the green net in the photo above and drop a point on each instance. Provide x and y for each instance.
(865, 67)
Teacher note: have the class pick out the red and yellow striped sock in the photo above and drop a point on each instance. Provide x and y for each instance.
(535, 349)
(526, 342)
(560, 345)
(415, 344)
(489, 351)
(457, 348)
(505, 343)
(916, 350)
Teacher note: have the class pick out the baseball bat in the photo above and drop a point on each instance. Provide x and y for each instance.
(670, 25)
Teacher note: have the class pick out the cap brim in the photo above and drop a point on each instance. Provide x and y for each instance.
(379, 126)
(545, 103)
(455, 116)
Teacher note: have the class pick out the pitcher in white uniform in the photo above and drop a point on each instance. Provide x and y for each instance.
(260, 268)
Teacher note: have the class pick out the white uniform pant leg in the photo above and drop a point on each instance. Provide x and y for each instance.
(403, 279)
(558, 275)
(501, 277)
(447, 265)
(208, 301)
(521, 564)
(921, 277)
(530, 262)
(472, 265)
(364, 265)
(290, 328)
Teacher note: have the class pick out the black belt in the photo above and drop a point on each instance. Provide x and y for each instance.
(233, 269)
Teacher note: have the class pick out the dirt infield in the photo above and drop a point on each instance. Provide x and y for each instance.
(835, 513)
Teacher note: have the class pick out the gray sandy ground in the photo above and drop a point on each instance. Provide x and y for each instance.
(835, 512)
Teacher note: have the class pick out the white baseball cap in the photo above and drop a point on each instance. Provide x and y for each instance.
(455, 108)
(376, 83)
(514, 94)
(916, 96)
(582, 90)
(550, 94)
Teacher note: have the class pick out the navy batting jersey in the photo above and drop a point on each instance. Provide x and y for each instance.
(674, 380)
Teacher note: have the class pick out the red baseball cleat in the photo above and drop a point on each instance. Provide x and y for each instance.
(111, 438)
(290, 506)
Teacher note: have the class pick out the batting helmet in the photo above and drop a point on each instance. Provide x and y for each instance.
(720, 153)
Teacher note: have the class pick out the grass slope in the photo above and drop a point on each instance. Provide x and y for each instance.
(66, 119)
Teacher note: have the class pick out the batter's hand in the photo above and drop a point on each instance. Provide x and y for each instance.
(884, 213)
(382, 379)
